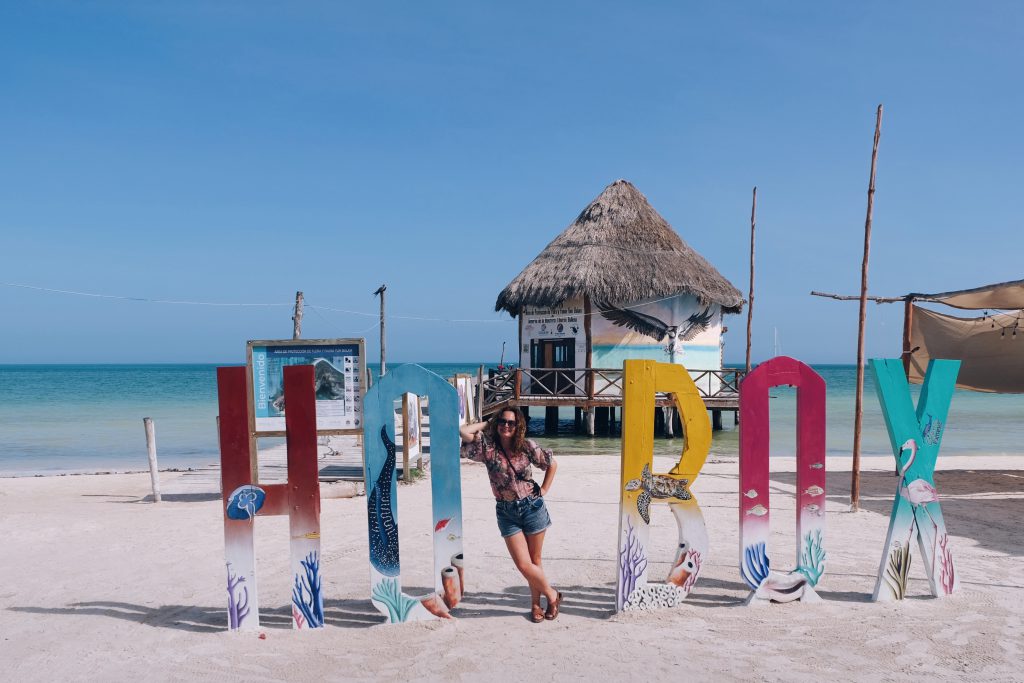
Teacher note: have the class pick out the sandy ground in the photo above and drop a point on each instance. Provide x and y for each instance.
(98, 583)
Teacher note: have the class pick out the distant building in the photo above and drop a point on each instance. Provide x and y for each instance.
(617, 284)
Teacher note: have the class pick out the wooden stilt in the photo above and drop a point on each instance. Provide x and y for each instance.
(551, 420)
(577, 419)
(669, 421)
(716, 420)
(601, 416)
(589, 420)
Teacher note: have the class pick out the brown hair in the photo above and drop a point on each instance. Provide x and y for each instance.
(518, 439)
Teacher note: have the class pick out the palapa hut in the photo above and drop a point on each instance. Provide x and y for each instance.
(617, 284)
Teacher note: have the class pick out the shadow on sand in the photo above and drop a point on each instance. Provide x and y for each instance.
(984, 505)
(580, 601)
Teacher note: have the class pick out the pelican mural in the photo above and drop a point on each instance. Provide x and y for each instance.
(656, 328)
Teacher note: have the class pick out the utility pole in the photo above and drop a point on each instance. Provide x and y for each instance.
(383, 367)
(297, 318)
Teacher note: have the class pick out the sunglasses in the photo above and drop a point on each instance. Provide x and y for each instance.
(505, 423)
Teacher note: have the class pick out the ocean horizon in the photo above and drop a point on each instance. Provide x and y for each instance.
(71, 418)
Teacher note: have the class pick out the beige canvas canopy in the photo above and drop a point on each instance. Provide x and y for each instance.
(1004, 296)
(990, 348)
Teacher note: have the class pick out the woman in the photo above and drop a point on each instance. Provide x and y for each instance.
(501, 444)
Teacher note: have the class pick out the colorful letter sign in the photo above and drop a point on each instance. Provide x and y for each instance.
(445, 486)
(244, 497)
(916, 514)
(641, 487)
(755, 502)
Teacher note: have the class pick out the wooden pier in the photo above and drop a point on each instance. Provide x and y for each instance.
(596, 393)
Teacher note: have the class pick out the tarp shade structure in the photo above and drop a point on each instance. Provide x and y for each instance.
(991, 348)
(1005, 296)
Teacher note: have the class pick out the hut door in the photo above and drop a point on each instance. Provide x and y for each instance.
(553, 353)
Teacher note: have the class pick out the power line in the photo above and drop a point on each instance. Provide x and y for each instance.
(134, 298)
(228, 304)
(182, 302)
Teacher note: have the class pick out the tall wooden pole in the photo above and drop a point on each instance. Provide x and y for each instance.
(297, 318)
(859, 409)
(383, 355)
(750, 296)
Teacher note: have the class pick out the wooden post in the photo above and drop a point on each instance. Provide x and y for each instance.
(750, 296)
(383, 364)
(405, 439)
(859, 408)
(518, 384)
(154, 472)
(590, 421)
(590, 350)
(716, 420)
(480, 391)
(297, 318)
(908, 322)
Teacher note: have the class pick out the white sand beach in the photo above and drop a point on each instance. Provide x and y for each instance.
(97, 583)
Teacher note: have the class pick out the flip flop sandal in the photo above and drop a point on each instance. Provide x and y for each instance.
(537, 615)
(552, 611)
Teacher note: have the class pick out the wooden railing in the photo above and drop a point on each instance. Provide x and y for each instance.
(589, 384)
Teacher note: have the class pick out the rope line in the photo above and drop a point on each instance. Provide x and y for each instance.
(133, 298)
(412, 317)
(315, 307)
(213, 303)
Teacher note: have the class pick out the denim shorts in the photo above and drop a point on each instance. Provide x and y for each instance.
(527, 515)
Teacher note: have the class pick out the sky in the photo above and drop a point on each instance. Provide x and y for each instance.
(236, 152)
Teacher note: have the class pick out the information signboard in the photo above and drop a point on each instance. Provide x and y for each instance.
(338, 366)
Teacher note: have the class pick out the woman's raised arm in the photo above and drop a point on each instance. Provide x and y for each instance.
(469, 432)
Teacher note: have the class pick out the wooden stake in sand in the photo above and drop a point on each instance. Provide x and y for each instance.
(859, 409)
(154, 472)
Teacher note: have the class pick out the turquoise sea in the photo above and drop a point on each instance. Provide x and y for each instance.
(87, 418)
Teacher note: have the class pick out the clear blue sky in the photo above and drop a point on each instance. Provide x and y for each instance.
(238, 152)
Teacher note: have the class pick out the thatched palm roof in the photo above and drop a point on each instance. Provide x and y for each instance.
(620, 250)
